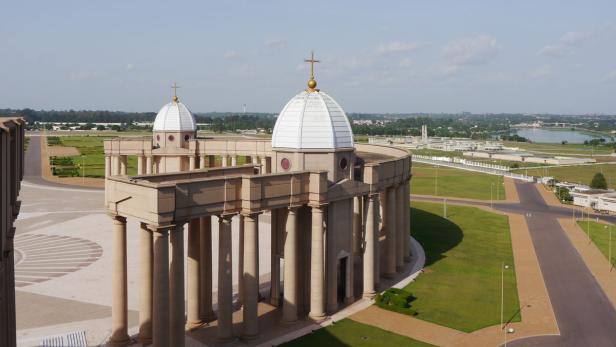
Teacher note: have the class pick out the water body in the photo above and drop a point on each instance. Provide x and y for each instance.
(555, 136)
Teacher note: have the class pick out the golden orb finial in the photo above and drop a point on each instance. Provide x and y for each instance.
(175, 92)
(312, 83)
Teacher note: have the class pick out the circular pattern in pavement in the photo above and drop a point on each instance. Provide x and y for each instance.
(39, 258)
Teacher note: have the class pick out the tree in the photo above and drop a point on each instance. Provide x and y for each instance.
(598, 181)
(100, 127)
(563, 194)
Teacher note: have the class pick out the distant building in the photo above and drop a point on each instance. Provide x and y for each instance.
(597, 199)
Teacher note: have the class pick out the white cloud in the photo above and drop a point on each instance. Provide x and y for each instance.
(476, 50)
(541, 72)
(396, 47)
(566, 44)
(276, 44)
(609, 77)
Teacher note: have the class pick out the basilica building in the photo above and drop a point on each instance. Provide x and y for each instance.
(335, 213)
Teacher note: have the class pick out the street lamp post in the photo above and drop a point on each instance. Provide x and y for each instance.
(491, 189)
(503, 327)
(445, 208)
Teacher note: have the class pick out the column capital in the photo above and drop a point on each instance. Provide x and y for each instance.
(227, 216)
(294, 208)
(317, 205)
(160, 229)
(251, 214)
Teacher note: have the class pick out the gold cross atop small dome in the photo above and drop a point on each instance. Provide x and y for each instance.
(175, 92)
(312, 83)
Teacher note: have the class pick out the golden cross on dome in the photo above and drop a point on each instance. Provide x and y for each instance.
(175, 91)
(312, 83)
(311, 61)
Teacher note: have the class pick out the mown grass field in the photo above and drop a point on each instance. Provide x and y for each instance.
(348, 332)
(576, 174)
(600, 236)
(92, 155)
(461, 285)
(449, 182)
(555, 148)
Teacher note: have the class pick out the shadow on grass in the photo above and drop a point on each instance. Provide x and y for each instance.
(436, 234)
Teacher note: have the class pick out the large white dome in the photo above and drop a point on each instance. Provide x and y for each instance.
(175, 116)
(312, 120)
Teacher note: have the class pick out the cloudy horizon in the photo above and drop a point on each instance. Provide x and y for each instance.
(390, 57)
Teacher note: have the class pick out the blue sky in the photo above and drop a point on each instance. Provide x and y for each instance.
(377, 56)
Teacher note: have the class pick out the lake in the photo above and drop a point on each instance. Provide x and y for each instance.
(555, 136)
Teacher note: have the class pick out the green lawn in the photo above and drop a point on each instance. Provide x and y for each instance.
(461, 285)
(348, 332)
(455, 183)
(576, 174)
(555, 148)
(92, 155)
(600, 236)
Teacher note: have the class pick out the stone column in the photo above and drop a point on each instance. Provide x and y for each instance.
(254, 160)
(193, 318)
(289, 306)
(370, 247)
(192, 165)
(176, 286)
(357, 225)
(377, 241)
(202, 162)
(206, 313)
(145, 293)
(240, 262)
(234, 160)
(390, 228)
(140, 165)
(107, 166)
(275, 260)
(224, 159)
(250, 299)
(160, 324)
(119, 307)
(148, 165)
(407, 222)
(116, 165)
(317, 266)
(264, 165)
(123, 165)
(400, 227)
(225, 280)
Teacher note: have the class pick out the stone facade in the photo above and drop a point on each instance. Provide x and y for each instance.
(11, 173)
(329, 223)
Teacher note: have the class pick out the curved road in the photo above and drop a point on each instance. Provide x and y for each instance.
(584, 314)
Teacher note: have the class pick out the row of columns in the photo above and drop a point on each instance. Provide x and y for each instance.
(161, 304)
(395, 224)
(162, 312)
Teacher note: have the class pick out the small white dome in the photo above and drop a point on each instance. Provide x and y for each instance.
(312, 120)
(175, 116)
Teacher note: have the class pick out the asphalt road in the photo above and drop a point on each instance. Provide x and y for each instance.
(584, 314)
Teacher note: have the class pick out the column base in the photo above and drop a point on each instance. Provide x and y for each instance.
(407, 259)
(369, 295)
(288, 321)
(274, 302)
(317, 318)
(194, 325)
(349, 300)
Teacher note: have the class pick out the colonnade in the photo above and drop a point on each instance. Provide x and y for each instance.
(163, 317)
(146, 164)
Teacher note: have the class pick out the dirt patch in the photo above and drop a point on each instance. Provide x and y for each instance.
(58, 151)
